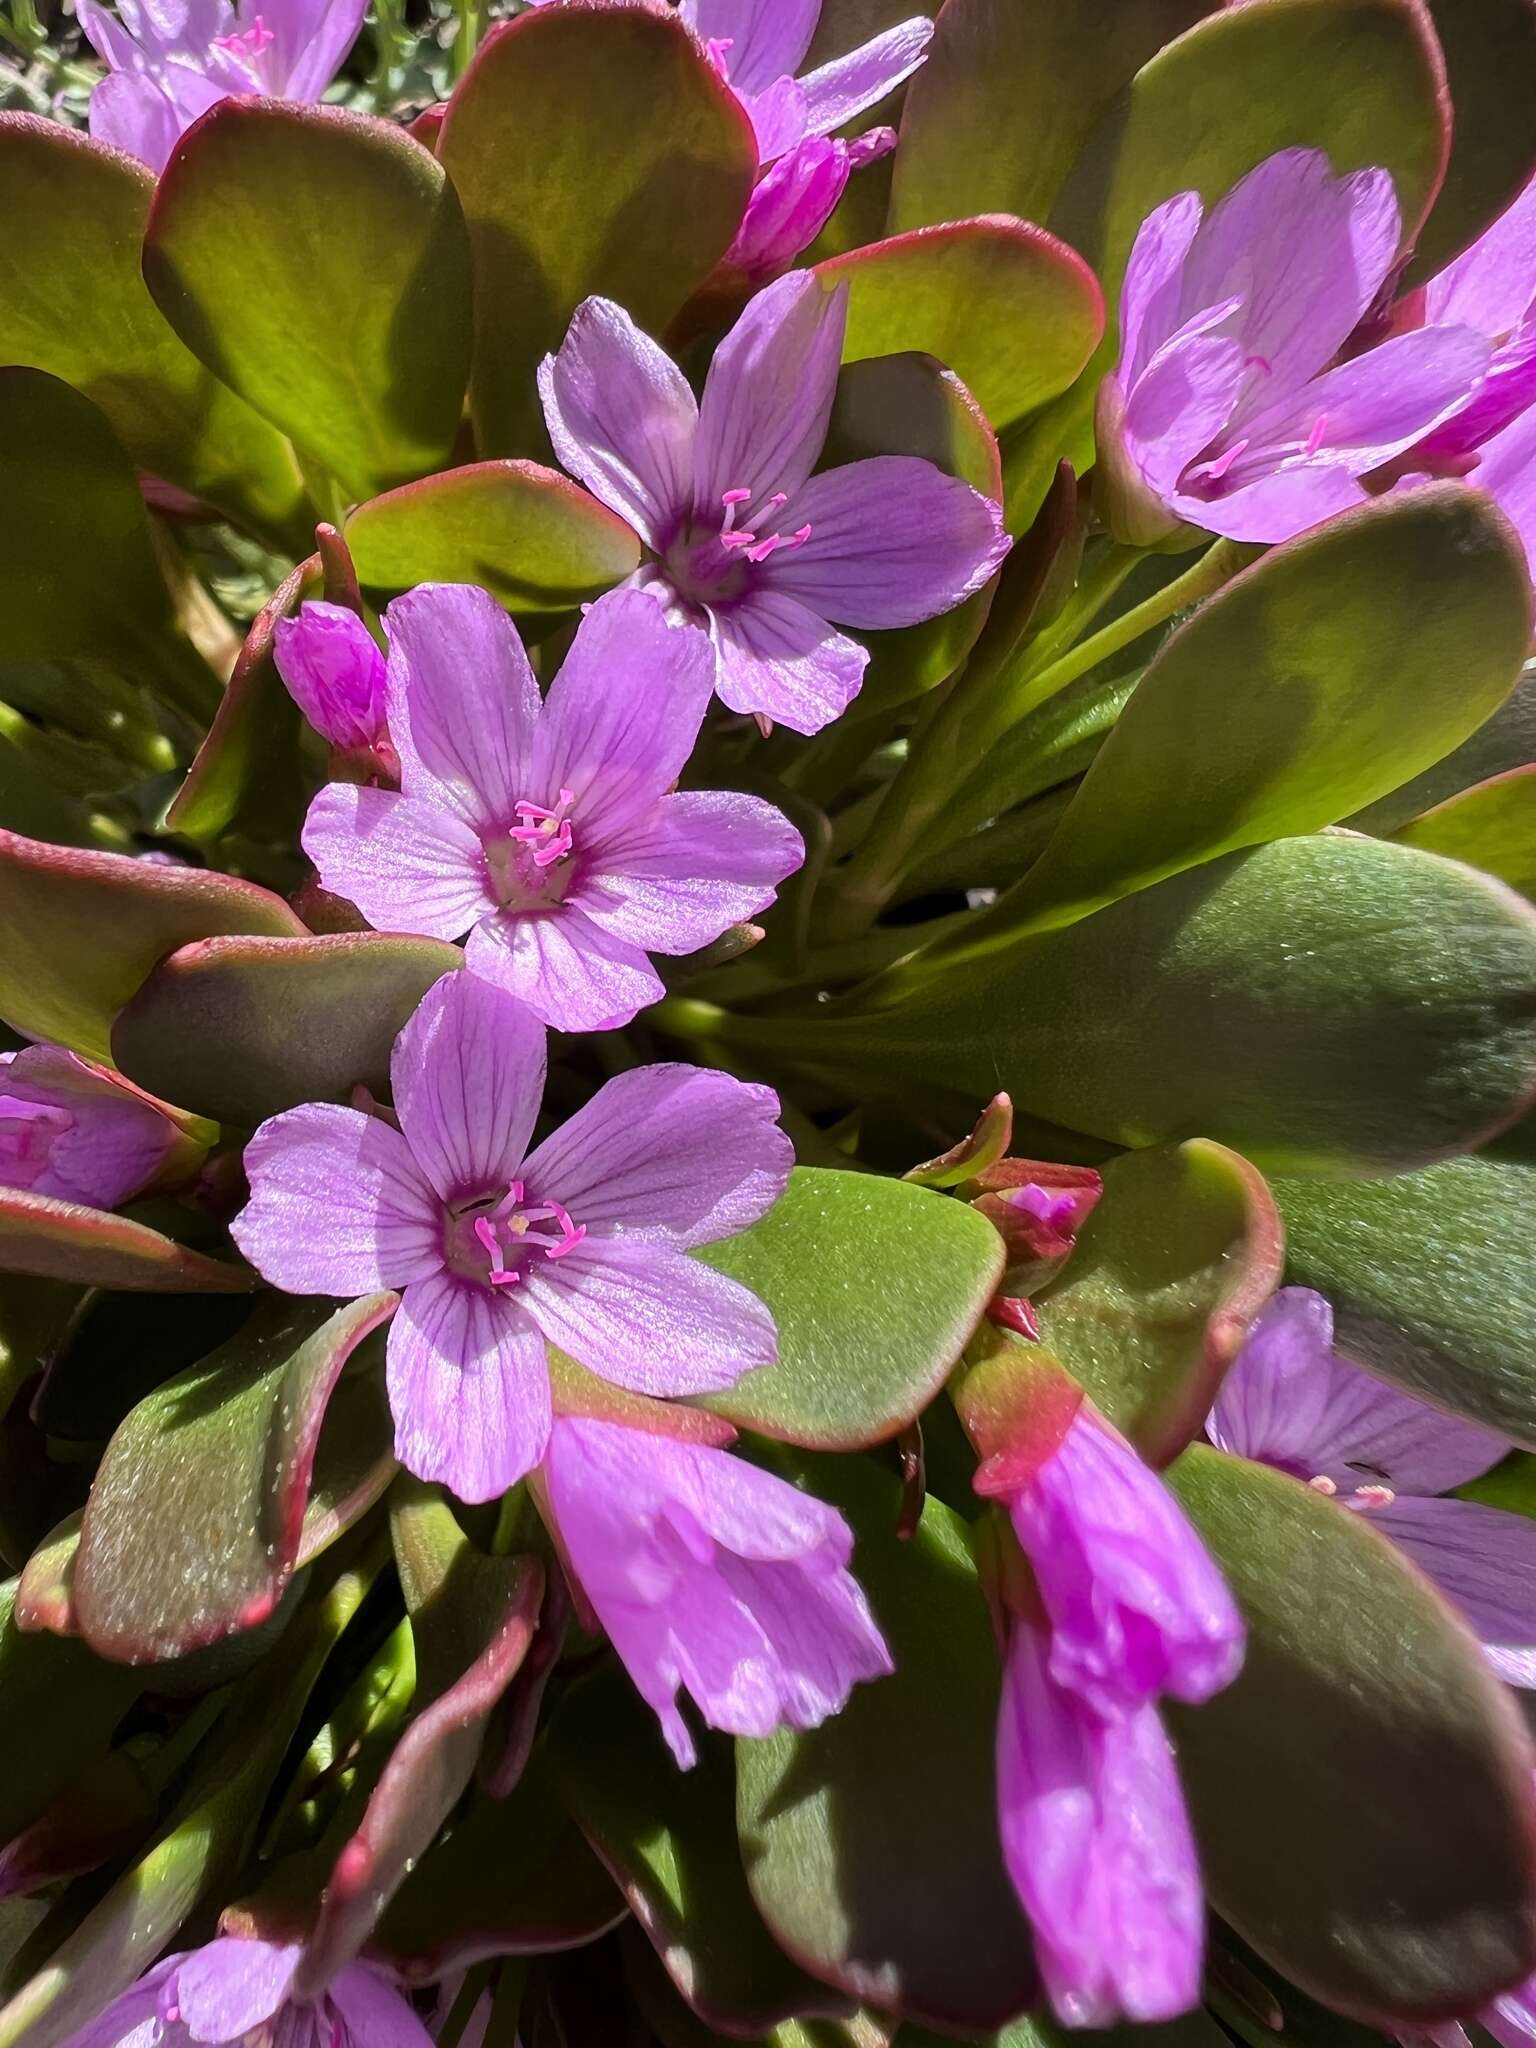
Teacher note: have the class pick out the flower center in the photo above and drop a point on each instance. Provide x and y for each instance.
(248, 47)
(530, 864)
(28, 1133)
(707, 564)
(490, 1238)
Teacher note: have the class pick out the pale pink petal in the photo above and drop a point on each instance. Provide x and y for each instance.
(669, 1153)
(703, 861)
(778, 658)
(1278, 506)
(767, 39)
(622, 419)
(1507, 472)
(1504, 393)
(338, 1204)
(468, 1387)
(462, 702)
(468, 1076)
(569, 972)
(1490, 286)
(768, 395)
(133, 2019)
(1484, 1560)
(1511, 2018)
(648, 1317)
(893, 540)
(131, 112)
(1179, 405)
(408, 866)
(1149, 297)
(227, 1989)
(778, 115)
(333, 671)
(376, 2013)
(847, 87)
(790, 205)
(313, 38)
(622, 716)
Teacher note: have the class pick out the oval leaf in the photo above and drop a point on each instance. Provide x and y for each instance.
(316, 261)
(59, 1706)
(875, 1286)
(1490, 826)
(248, 1027)
(66, 1241)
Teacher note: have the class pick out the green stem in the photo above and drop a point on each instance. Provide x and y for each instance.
(467, 41)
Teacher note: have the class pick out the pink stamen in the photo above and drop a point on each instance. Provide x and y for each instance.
(755, 550)
(501, 1274)
(249, 42)
(1321, 1483)
(1260, 363)
(1315, 438)
(1215, 471)
(571, 1234)
(547, 832)
(1368, 1497)
(775, 541)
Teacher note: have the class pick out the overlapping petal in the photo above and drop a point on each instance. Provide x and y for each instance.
(468, 1076)
(408, 865)
(703, 861)
(468, 1387)
(768, 396)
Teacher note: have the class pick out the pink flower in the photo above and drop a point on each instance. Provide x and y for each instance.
(335, 674)
(1290, 1401)
(500, 1250)
(712, 1577)
(1223, 411)
(1510, 2018)
(169, 63)
(1097, 1842)
(546, 830)
(745, 540)
(795, 198)
(236, 1991)
(76, 1132)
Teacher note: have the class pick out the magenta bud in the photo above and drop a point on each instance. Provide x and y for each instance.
(334, 673)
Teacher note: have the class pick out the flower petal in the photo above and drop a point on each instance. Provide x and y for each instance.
(462, 702)
(767, 39)
(678, 1154)
(228, 1988)
(1484, 1560)
(132, 112)
(408, 866)
(133, 2019)
(768, 395)
(777, 658)
(622, 716)
(313, 38)
(570, 973)
(376, 2012)
(778, 117)
(893, 541)
(649, 1318)
(790, 205)
(847, 87)
(338, 1204)
(468, 1387)
(622, 418)
(333, 670)
(1154, 276)
(1179, 404)
(1492, 285)
(1507, 471)
(1278, 506)
(468, 1077)
(703, 861)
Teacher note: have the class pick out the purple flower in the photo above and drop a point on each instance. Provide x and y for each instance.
(1510, 2018)
(795, 198)
(712, 1577)
(746, 541)
(1097, 1842)
(336, 675)
(580, 1243)
(234, 1991)
(1223, 411)
(546, 831)
(75, 1131)
(1290, 1401)
(1136, 1606)
(169, 61)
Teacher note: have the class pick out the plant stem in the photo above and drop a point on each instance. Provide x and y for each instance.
(467, 41)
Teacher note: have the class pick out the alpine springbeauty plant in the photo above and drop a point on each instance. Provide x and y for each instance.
(767, 1023)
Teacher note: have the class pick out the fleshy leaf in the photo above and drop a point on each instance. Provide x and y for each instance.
(80, 931)
(1182, 1250)
(1327, 1003)
(193, 1525)
(875, 1286)
(1011, 310)
(1322, 678)
(59, 1706)
(1431, 1280)
(45, 1592)
(1489, 46)
(66, 1241)
(1507, 740)
(1022, 82)
(73, 302)
(473, 1618)
(528, 535)
(870, 1843)
(1490, 826)
(595, 151)
(244, 1027)
(316, 261)
(1365, 1718)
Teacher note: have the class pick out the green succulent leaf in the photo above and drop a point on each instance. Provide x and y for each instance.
(1366, 1718)
(875, 1286)
(80, 931)
(1488, 46)
(316, 261)
(595, 151)
(66, 1241)
(1490, 826)
(1507, 740)
(526, 534)
(245, 1027)
(1431, 1281)
(870, 1843)
(195, 1517)
(59, 1706)
(73, 302)
(1182, 1250)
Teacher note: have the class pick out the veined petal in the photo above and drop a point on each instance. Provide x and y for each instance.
(765, 39)
(847, 87)
(375, 2011)
(790, 205)
(1484, 1560)
(468, 1077)
(778, 116)
(338, 1204)
(1179, 404)
(1154, 276)
(1506, 391)
(313, 38)
(132, 2020)
(1278, 506)
(228, 1988)
(703, 861)
(648, 1317)
(776, 657)
(768, 395)
(1490, 286)
(622, 418)
(463, 702)
(408, 866)
(675, 1153)
(1507, 471)
(333, 670)
(132, 112)
(570, 973)
(468, 1387)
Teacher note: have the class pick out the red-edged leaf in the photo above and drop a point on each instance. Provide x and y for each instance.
(65, 1241)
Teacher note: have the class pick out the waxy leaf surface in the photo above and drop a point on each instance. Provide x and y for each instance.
(66, 1241)
(1490, 826)
(58, 1708)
